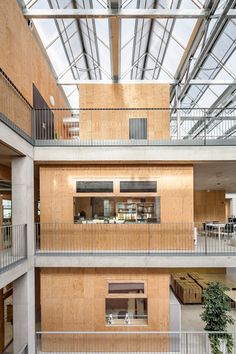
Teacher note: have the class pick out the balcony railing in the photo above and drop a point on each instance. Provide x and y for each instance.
(13, 245)
(132, 239)
(110, 126)
(15, 110)
(132, 342)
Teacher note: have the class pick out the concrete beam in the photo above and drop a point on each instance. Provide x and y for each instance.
(135, 261)
(133, 154)
(13, 273)
(14, 141)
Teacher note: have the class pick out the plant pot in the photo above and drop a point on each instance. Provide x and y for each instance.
(222, 347)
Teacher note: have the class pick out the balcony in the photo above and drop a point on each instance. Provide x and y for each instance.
(132, 239)
(94, 127)
(13, 246)
(130, 342)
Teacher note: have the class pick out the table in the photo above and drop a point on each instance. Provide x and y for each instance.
(231, 294)
(216, 226)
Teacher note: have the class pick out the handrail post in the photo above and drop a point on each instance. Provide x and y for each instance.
(26, 241)
(205, 132)
(33, 125)
(205, 235)
(186, 342)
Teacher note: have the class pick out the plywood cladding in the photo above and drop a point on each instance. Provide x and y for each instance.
(209, 206)
(73, 299)
(114, 124)
(24, 63)
(5, 173)
(174, 186)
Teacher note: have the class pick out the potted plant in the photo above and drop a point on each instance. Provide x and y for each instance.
(216, 305)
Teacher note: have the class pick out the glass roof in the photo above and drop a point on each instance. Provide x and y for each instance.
(150, 49)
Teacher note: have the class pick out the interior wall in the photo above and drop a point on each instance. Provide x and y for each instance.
(73, 299)
(58, 187)
(1, 321)
(1, 213)
(227, 208)
(209, 206)
(5, 172)
(115, 124)
(24, 63)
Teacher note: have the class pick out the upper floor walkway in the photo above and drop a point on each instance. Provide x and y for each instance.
(107, 245)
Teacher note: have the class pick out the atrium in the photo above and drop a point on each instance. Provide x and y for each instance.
(117, 176)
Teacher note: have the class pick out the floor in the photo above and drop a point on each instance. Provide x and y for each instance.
(191, 321)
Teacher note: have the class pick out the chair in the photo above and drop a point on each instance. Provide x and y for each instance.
(228, 230)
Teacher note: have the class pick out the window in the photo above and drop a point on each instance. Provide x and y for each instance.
(6, 204)
(94, 187)
(126, 288)
(138, 186)
(138, 128)
(126, 303)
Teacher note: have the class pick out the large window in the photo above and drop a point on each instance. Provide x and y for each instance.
(138, 128)
(6, 205)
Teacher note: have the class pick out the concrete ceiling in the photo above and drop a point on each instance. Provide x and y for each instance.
(215, 176)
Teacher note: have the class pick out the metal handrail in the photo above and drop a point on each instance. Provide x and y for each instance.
(133, 332)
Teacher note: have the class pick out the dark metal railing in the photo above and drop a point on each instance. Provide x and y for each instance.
(110, 126)
(133, 239)
(15, 110)
(13, 245)
(134, 342)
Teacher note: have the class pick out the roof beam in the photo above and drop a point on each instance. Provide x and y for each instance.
(114, 34)
(193, 43)
(121, 13)
(169, 82)
(74, 4)
(217, 29)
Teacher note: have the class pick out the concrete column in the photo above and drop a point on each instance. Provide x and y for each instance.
(24, 312)
(24, 287)
(23, 197)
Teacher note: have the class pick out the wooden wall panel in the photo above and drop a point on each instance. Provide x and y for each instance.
(175, 187)
(227, 208)
(5, 172)
(73, 299)
(116, 237)
(1, 212)
(25, 63)
(115, 124)
(209, 206)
